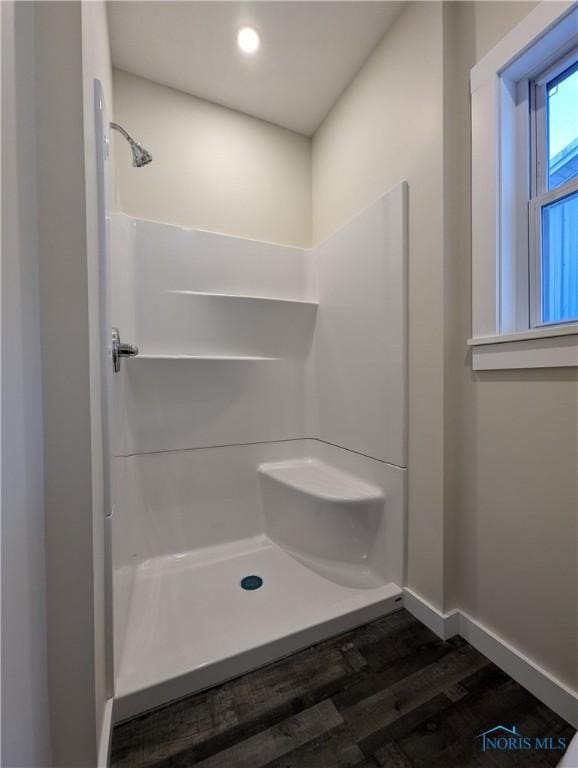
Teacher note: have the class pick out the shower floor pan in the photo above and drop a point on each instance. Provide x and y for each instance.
(191, 625)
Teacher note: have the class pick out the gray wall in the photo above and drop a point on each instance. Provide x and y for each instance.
(516, 448)
(70, 442)
(54, 688)
(25, 736)
(213, 168)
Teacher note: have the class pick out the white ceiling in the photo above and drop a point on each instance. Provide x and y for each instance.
(309, 51)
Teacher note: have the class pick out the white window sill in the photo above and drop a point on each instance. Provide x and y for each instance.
(539, 348)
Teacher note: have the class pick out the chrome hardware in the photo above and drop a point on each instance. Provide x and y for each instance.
(120, 350)
(140, 155)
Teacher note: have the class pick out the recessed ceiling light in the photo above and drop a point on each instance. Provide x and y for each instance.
(248, 39)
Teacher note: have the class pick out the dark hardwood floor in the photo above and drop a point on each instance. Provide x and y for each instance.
(388, 694)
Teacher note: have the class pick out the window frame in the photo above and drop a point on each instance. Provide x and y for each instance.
(502, 174)
(541, 195)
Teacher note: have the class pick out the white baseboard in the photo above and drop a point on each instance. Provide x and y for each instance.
(105, 736)
(553, 692)
(444, 625)
(544, 686)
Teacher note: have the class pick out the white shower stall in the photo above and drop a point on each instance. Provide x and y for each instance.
(260, 431)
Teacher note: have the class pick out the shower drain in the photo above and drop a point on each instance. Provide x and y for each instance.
(251, 582)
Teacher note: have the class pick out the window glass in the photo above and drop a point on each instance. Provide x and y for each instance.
(562, 111)
(560, 260)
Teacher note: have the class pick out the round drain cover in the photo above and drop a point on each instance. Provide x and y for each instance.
(251, 582)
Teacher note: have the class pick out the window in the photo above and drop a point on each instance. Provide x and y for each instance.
(553, 217)
(524, 103)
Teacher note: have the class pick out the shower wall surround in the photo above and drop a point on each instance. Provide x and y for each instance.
(255, 355)
(245, 378)
(243, 341)
(359, 382)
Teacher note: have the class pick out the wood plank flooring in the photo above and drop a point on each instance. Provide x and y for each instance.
(389, 694)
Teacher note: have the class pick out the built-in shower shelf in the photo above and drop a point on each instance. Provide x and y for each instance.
(232, 358)
(247, 297)
(319, 480)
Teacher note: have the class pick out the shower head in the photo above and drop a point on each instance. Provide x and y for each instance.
(140, 155)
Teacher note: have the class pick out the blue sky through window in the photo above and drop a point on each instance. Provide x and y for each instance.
(560, 218)
(563, 128)
(560, 260)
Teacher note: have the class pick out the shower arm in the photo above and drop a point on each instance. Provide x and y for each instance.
(140, 155)
(126, 135)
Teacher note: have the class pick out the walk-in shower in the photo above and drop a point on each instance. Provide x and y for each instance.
(251, 442)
